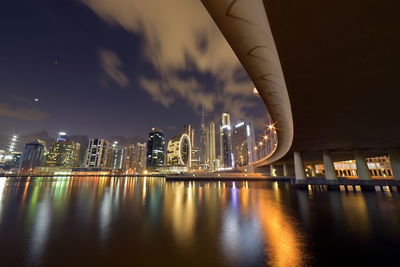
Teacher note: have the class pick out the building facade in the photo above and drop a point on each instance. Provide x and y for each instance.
(179, 151)
(96, 154)
(117, 158)
(32, 156)
(138, 158)
(210, 146)
(189, 130)
(243, 143)
(195, 157)
(226, 142)
(63, 153)
(155, 149)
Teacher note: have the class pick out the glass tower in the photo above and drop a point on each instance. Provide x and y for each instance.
(155, 149)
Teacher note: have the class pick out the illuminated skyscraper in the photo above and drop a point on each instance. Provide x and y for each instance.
(13, 143)
(179, 151)
(96, 154)
(243, 143)
(117, 158)
(202, 137)
(155, 149)
(63, 153)
(32, 156)
(210, 146)
(189, 130)
(225, 141)
(195, 157)
(137, 157)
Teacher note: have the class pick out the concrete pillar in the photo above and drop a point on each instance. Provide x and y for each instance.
(285, 170)
(313, 170)
(273, 173)
(330, 173)
(395, 163)
(299, 166)
(362, 166)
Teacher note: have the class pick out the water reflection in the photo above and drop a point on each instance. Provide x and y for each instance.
(148, 221)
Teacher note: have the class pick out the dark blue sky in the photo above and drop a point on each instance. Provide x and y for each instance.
(53, 51)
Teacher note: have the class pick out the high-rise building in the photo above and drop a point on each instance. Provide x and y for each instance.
(63, 153)
(155, 149)
(13, 160)
(243, 143)
(137, 158)
(189, 130)
(96, 154)
(226, 142)
(32, 156)
(225, 119)
(195, 157)
(117, 158)
(13, 143)
(179, 151)
(210, 155)
(202, 137)
(128, 157)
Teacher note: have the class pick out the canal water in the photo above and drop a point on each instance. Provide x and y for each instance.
(150, 222)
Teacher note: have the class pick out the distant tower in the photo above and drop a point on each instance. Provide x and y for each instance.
(138, 158)
(225, 141)
(189, 130)
(63, 152)
(13, 143)
(179, 151)
(202, 136)
(243, 143)
(32, 156)
(96, 154)
(155, 149)
(210, 146)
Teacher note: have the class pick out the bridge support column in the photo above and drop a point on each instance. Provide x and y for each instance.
(395, 163)
(273, 171)
(330, 173)
(285, 170)
(362, 166)
(299, 166)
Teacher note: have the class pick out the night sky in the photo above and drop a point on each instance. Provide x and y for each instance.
(102, 68)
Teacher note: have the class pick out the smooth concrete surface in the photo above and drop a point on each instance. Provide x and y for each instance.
(394, 155)
(299, 166)
(362, 166)
(330, 173)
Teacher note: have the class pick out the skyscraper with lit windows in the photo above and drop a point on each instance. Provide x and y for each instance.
(32, 156)
(155, 149)
(210, 146)
(225, 141)
(63, 152)
(243, 143)
(96, 154)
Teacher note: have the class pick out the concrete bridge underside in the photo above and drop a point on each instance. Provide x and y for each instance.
(328, 71)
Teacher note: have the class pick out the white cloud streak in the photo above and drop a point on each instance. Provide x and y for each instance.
(112, 66)
(180, 36)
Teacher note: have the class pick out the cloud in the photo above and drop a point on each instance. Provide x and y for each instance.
(112, 64)
(180, 36)
(29, 114)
